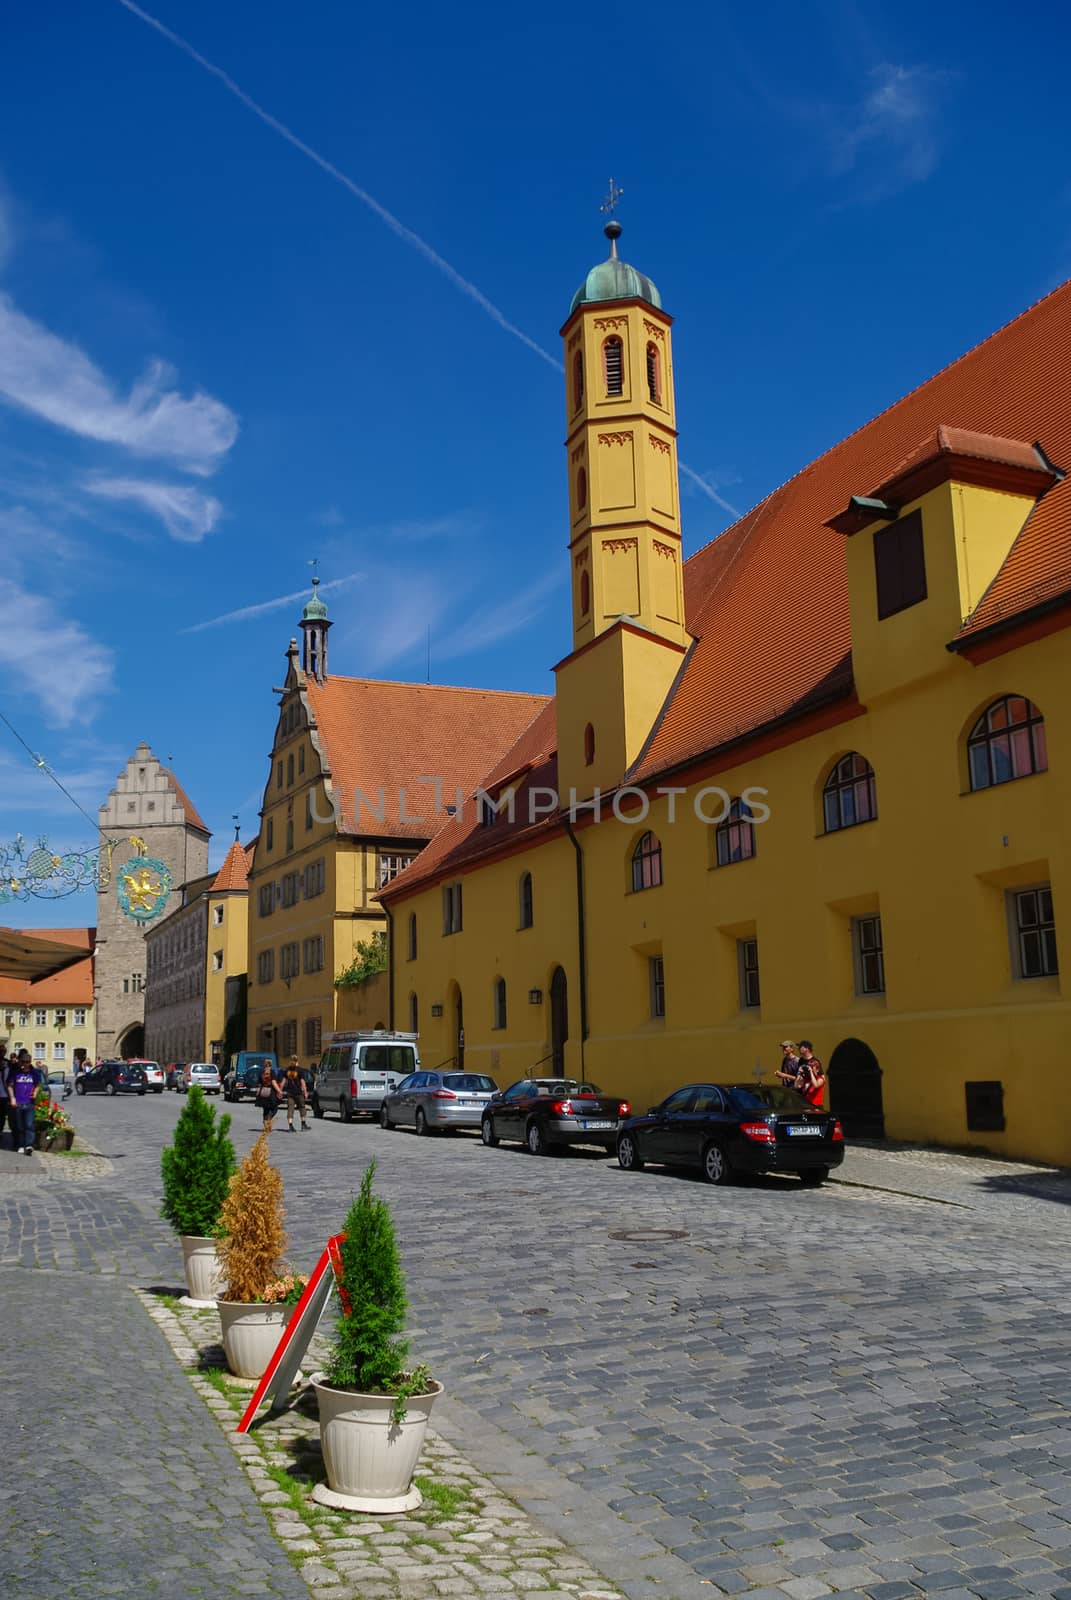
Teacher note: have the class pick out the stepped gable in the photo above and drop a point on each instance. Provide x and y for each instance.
(377, 735)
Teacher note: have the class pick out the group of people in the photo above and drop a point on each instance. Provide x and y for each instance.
(801, 1069)
(19, 1083)
(291, 1089)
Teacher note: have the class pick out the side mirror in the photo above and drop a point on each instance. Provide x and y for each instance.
(653, 1111)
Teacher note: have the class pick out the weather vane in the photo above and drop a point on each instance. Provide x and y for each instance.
(237, 826)
(609, 205)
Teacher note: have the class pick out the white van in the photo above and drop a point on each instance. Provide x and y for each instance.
(357, 1069)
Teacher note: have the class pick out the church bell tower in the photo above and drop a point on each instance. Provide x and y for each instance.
(314, 629)
(624, 521)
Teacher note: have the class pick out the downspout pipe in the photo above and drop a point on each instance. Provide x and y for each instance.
(390, 967)
(581, 939)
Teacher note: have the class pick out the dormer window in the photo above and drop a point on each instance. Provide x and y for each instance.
(900, 565)
(613, 356)
(654, 374)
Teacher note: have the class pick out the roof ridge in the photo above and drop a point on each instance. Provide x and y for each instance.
(887, 411)
(452, 688)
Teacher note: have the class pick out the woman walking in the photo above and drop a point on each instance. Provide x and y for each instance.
(296, 1094)
(268, 1096)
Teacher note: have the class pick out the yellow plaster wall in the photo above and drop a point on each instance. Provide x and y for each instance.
(232, 938)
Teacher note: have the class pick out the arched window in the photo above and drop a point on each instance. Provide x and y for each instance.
(613, 361)
(585, 594)
(1007, 741)
(581, 489)
(734, 836)
(526, 900)
(290, 769)
(301, 759)
(589, 745)
(578, 380)
(500, 1003)
(413, 1014)
(410, 943)
(849, 796)
(654, 373)
(647, 862)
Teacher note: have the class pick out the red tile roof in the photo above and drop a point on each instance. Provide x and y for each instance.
(72, 987)
(387, 736)
(234, 873)
(193, 816)
(767, 601)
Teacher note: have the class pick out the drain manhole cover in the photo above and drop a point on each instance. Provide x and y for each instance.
(641, 1264)
(536, 1311)
(648, 1235)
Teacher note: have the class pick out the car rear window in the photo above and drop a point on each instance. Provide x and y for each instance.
(767, 1097)
(473, 1082)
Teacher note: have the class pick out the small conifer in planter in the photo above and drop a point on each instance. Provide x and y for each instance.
(373, 1407)
(196, 1169)
(251, 1249)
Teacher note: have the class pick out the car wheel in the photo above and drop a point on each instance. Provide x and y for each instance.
(716, 1168)
(420, 1123)
(384, 1118)
(317, 1108)
(814, 1177)
(81, 1088)
(487, 1132)
(536, 1140)
(345, 1110)
(628, 1153)
(110, 1089)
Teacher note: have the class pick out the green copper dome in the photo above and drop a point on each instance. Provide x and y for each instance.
(614, 279)
(315, 611)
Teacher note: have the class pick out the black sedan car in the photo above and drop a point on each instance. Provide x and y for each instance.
(545, 1114)
(723, 1128)
(112, 1077)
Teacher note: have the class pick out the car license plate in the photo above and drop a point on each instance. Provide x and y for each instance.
(373, 1083)
(468, 1102)
(809, 1132)
(591, 1126)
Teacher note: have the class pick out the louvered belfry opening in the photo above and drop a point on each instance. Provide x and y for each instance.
(654, 377)
(613, 358)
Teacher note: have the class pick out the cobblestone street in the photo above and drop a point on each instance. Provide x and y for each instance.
(760, 1389)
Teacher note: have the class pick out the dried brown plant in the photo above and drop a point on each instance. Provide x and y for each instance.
(254, 1239)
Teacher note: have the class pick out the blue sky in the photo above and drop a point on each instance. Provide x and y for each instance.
(219, 359)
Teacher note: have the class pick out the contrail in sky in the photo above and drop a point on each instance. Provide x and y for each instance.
(266, 605)
(421, 246)
(392, 222)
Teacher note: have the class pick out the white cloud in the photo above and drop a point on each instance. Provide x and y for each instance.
(244, 613)
(894, 126)
(186, 513)
(492, 623)
(51, 657)
(55, 380)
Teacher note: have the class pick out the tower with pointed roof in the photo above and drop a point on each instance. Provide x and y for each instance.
(314, 628)
(147, 803)
(624, 522)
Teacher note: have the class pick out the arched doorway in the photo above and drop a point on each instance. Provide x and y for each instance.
(559, 1019)
(132, 1042)
(855, 1090)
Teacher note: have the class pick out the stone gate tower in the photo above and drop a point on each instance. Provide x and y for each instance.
(149, 803)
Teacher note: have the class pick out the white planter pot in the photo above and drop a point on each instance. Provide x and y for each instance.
(370, 1460)
(204, 1280)
(250, 1334)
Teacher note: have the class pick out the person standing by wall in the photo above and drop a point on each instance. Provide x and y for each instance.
(24, 1079)
(811, 1080)
(788, 1071)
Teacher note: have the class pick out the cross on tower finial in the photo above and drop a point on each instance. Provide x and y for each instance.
(314, 564)
(613, 196)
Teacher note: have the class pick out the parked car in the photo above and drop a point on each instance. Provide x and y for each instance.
(175, 1076)
(243, 1072)
(59, 1085)
(113, 1077)
(723, 1128)
(205, 1074)
(427, 1100)
(154, 1074)
(548, 1113)
(358, 1069)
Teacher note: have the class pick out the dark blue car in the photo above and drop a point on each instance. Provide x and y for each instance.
(723, 1128)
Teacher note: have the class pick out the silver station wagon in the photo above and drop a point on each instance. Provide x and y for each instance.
(429, 1101)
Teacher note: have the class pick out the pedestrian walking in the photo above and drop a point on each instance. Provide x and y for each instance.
(296, 1095)
(267, 1097)
(811, 1081)
(23, 1082)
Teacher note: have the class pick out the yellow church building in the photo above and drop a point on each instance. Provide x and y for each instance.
(812, 781)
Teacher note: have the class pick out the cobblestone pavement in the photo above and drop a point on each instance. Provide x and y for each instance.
(760, 1389)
